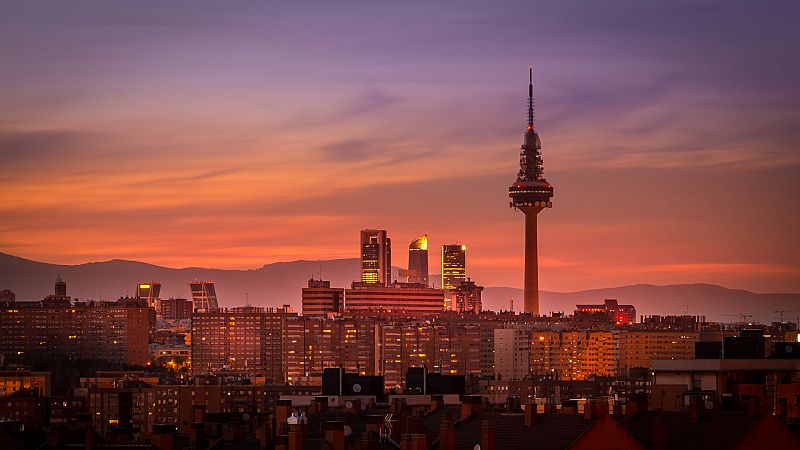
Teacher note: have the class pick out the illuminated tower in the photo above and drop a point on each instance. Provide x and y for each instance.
(454, 265)
(531, 193)
(418, 260)
(376, 257)
(149, 291)
(204, 296)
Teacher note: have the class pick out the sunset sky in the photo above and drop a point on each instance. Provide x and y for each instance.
(235, 134)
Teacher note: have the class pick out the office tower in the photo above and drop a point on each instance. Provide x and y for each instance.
(531, 193)
(320, 299)
(149, 291)
(418, 260)
(60, 288)
(376, 257)
(454, 265)
(465, 298)
(399, 298)
(204, 296)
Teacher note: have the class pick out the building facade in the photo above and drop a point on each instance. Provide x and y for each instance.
(454, 265)
(320, 299)
(204, 296)
(376, 257)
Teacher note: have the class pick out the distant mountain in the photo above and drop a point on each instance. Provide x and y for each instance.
(280, 283)
(717, 303)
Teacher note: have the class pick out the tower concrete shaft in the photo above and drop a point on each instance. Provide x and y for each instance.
(531, 193)
(531, 295)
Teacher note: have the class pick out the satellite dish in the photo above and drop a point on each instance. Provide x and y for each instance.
(789, 348)
(356, 388)
(347, 431)
(709, 404)
(477, 447)
(245, 417)
(348, 404)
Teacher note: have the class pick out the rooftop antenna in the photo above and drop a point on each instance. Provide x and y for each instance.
(531, 124)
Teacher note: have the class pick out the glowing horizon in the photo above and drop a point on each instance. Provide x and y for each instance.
(198, 135)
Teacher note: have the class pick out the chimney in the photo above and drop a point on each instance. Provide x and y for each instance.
(447, 436)
(470, 405)
(637, 404)
(413, 442)
(660, 434)
(197, 433)
(488, 435)
(282, 442)
(569, 407)
(264, 434)
(594, 409)
(550, 408)
(55, 438)
(320, 404)
(398, 405)
(283, 409)
(90, 440)
(354, 406)
(374, 423)
(334, 434)
(531, 414)
(437, 401)
(198, 413)
(163, 436)
(295, 441)
(695, 410)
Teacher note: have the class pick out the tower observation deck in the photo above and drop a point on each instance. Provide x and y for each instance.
(531, 193)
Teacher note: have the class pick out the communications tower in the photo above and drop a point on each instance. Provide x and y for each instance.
(531, 193)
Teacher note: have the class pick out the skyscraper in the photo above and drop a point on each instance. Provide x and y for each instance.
(204, 296)
(531, 193)
(454, 265)
(150, 291)
(376, 257)
(60, 288)
(418, 260)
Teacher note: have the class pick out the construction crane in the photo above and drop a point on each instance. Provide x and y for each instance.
(781, 311)
(742, 317)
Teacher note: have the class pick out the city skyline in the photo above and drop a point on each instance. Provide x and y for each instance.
(674, 159)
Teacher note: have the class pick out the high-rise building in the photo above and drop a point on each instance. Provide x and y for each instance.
(465, 298)
(418, 260)
(512, 348)
(175, 309)
(242, 340)
(113, 331)
(149, 291)
(531, 193)
(376, 257)
(204, 296)
(454, 265)
(60, 288)
(320, 299)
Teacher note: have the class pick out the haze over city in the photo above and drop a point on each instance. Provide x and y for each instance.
(200, 134)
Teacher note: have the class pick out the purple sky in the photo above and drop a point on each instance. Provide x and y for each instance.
(233, 134)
